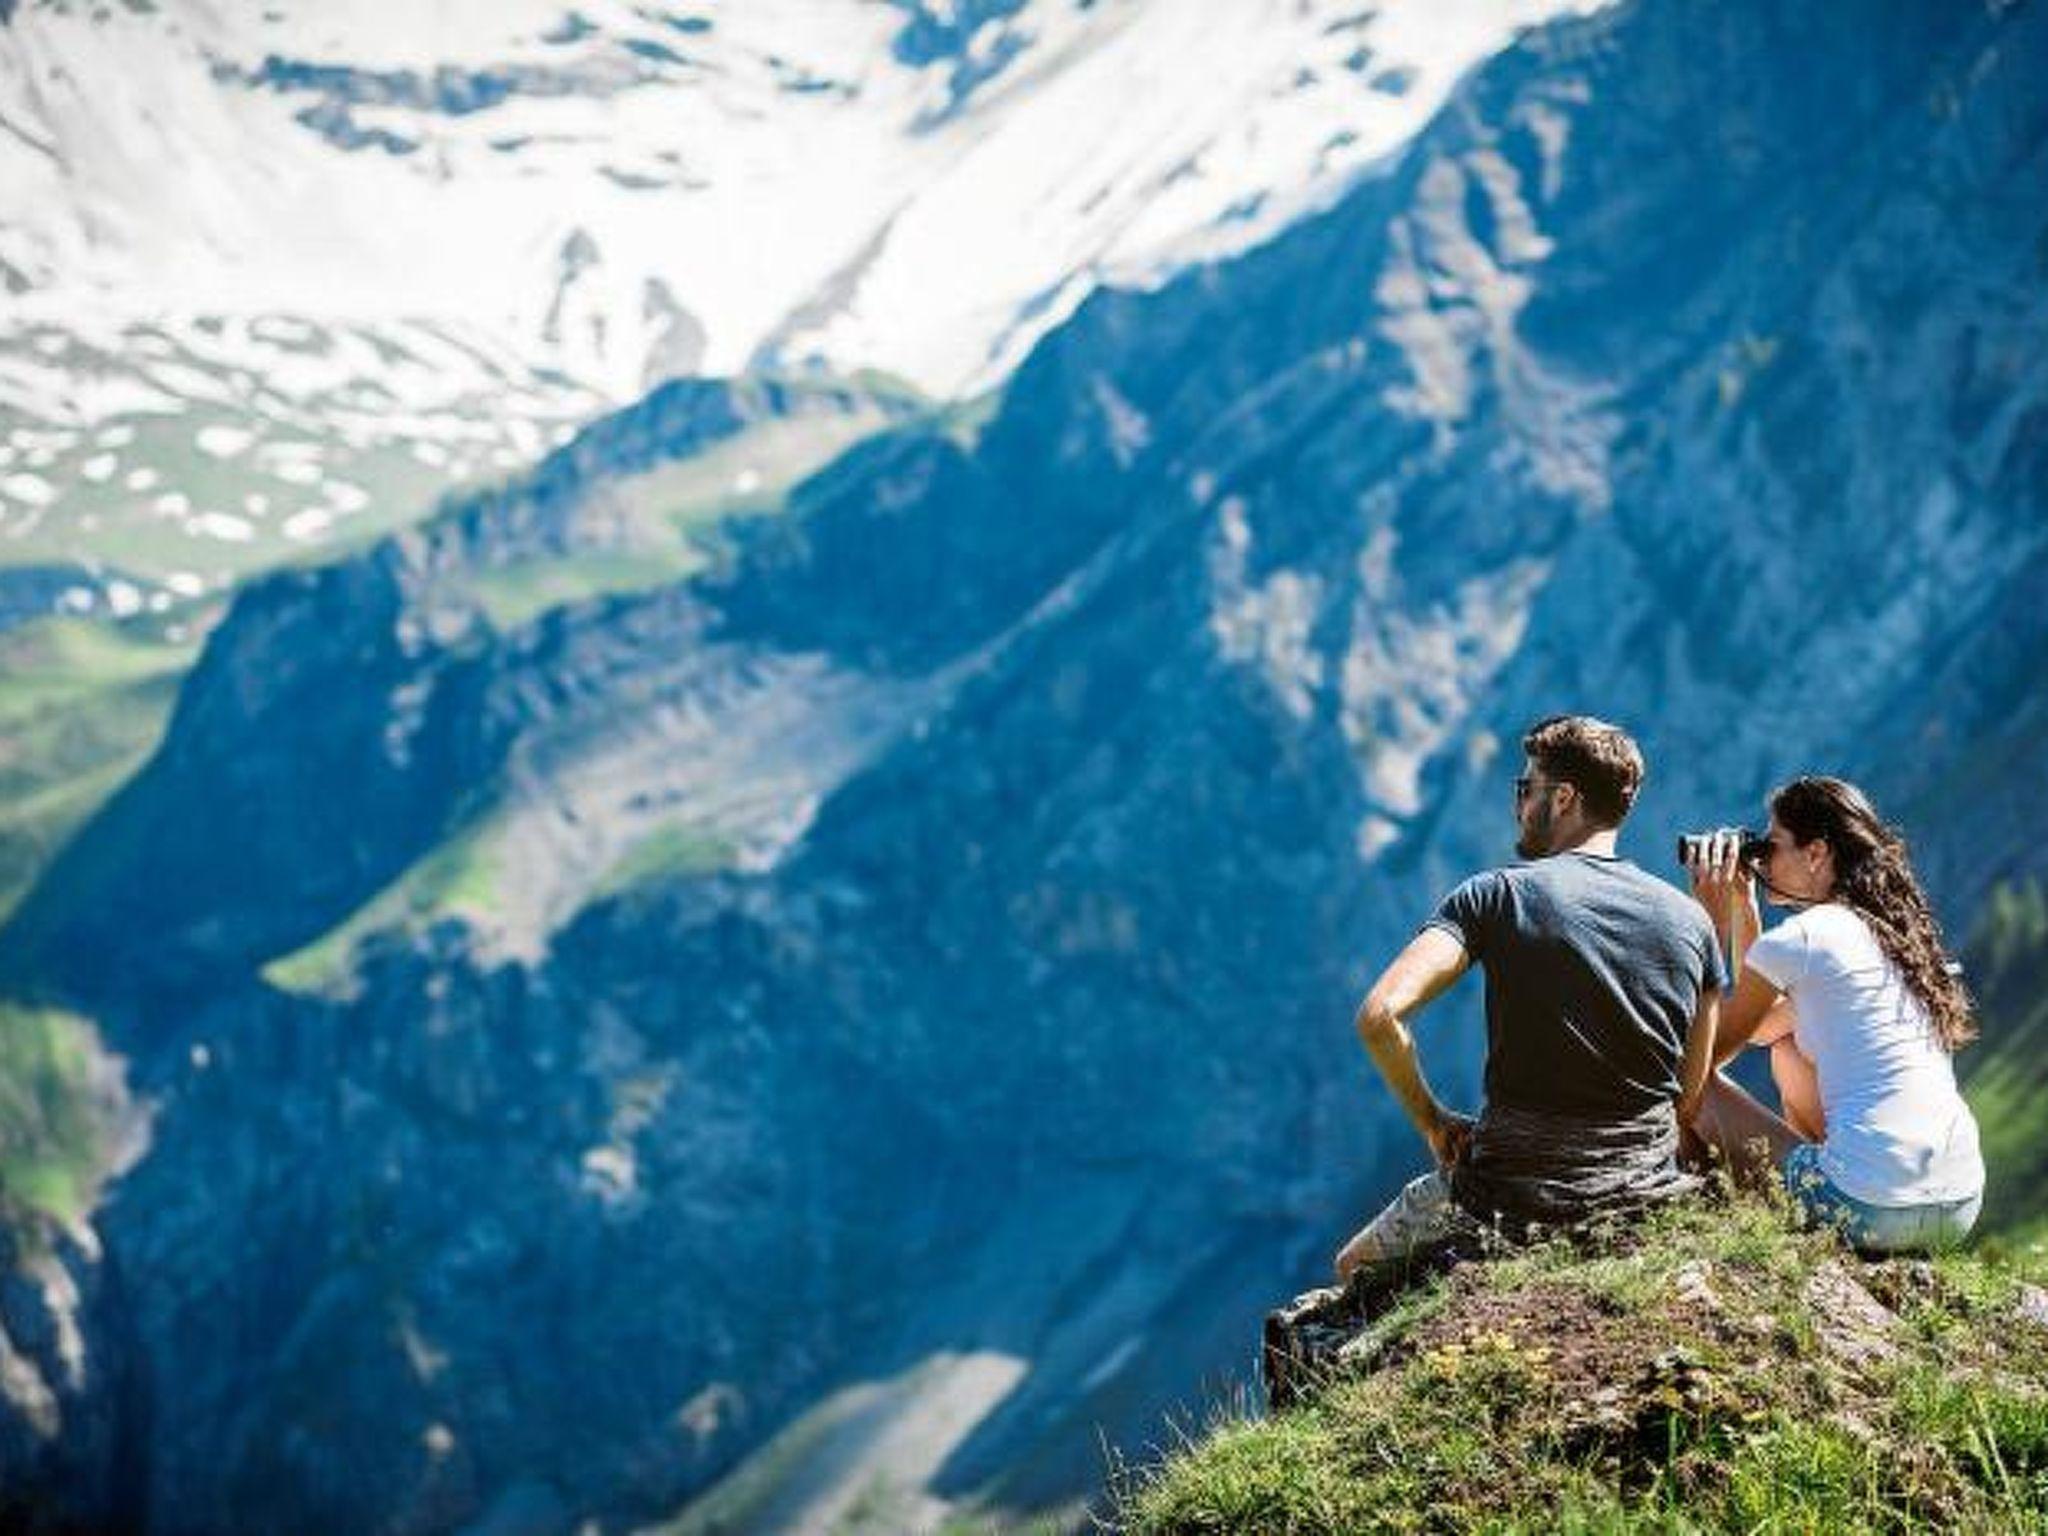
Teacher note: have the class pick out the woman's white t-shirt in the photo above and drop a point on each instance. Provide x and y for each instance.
(1898, 1131)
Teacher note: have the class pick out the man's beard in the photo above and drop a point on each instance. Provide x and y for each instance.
(1534, 841)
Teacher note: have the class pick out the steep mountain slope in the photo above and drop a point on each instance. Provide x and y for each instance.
(968, 1087)
(404, 680)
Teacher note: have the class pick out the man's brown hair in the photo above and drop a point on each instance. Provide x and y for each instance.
(1601, 761)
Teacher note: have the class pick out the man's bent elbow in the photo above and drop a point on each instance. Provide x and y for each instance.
(1377, 1022)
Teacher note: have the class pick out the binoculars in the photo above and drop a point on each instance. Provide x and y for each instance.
(1753, 847)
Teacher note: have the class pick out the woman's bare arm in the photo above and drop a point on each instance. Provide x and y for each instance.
(1743, 1013)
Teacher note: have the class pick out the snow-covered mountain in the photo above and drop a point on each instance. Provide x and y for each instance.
(277, 274)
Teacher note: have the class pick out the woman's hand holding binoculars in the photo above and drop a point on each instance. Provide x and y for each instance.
(1722, 867)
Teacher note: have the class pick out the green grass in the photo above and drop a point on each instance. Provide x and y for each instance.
(1575, 1389)
(671, 512)
(59, 660)
(679, 849)
(2005, 1073)
(517, 594)
(463, 877)
(83, 703)
(57, 1115)
(459, 877)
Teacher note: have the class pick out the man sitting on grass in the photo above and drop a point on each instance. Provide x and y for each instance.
(1602, 984)
(1602, 989)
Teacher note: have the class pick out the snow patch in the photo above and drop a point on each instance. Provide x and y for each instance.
(223, 442)
(345, 497)
(29, 490)
(296, 471)
(222, 525)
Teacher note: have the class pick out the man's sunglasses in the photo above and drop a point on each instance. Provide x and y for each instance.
(1525, 782)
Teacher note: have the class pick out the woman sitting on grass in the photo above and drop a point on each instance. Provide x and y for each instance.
(1856, 1000)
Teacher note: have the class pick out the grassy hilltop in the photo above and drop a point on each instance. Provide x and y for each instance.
(1716, 1371)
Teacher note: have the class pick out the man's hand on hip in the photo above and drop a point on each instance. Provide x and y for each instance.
(1421, 972)
(1450, 1139)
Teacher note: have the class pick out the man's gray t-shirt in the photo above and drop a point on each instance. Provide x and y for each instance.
(1594, 971)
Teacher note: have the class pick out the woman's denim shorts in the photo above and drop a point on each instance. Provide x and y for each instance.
(1875, 1228)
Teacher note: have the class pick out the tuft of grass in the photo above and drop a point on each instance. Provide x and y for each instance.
(1673, 1377)
(1288, 1473)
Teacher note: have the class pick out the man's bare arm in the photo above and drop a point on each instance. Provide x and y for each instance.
(1419, 974)
(1698, 1063)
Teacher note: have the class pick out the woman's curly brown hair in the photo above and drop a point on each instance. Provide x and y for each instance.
(1874, 877)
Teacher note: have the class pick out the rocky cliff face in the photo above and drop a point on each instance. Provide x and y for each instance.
(916, 949)
(74, 1403)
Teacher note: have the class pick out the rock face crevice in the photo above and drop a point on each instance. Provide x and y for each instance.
(991, 1005)
(75, 1398)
